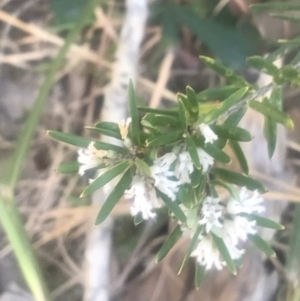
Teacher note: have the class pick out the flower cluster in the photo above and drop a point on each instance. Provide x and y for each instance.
(226, 221)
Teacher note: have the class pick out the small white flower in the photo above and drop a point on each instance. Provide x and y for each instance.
(239, 228)
(207, 255)
(184, 167)
(246, 204)
(89, 158)
(144, 197)
(161, 175)
(234, 251)
(207, 132)
(211, 213)
(205, 159)
(124, 126)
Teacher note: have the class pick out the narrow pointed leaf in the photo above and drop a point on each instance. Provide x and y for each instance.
(230, 188)
(216, 94)
(224, 253)
(105, 178)
(238, 179)
(235, 118)
(84, 142)
(263, 222)
(68, 168)
(104, 132)
(192, 149)
(192, 217)
(183, 114)
(169, 243)
(173, 206)
(164, 139)
(216, 153)
(263, 64)
(261, 244)
(239, 154)
(168, 112)
(133, 111)
(272, 112)
(193, 103)
(138, 219)
(70, 139)
(199, 274)
(191, 247)
(110, 129)
(225, 105)
(114, 197)
(233, 133)
(143, 166)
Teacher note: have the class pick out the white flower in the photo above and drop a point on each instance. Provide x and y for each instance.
(144, 197)
(207, 132)
(234, 251)
(89, 158)
(246, 204)
(211, 213)
(161, 175)
(239, 228)
(184, 167)
(207, 255)
(124, 126)
(205, 159)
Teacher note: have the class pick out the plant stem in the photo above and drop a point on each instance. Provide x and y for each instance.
(9, 213)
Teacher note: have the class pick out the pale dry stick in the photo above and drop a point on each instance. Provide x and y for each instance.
(277, 183)
(69, 261)
(4, 2)
(279, 196)
(163, 77)
(220, 6)
(84, 53)
(53, 39)
(150, 43)
(52, 259)
(294, 145)
(66, 286)
(19, 58)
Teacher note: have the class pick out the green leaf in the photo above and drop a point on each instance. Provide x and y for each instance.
(233, 133)
(192, 149)
(68, 168)
(199, 274)
(192, 217)
(263, 222)
(168, 112)
(239, 154)
(213, 151)
(105, 178)
(264, 65)
(164, 139)
(235, 118)
(70, 139)
(193, 103)
(191, 247)
(230, 188)
(225, 72)
(114, 196)
(225, 105)
(183, 113)
(158, 120)
(143, 166)
(133, 112)
(238, 179)
(173, 206)
(169, 243)
(84, 142)
(224, 253)
(216, 94)
(197, 177)
(272, 112)
(261, 244)
(275, 6)
(185, 196)
(107, 128)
